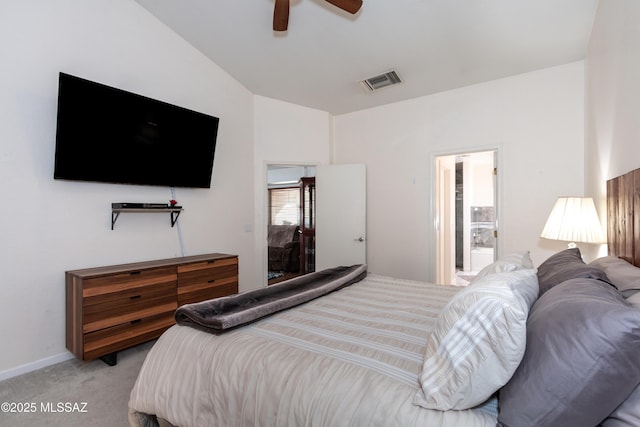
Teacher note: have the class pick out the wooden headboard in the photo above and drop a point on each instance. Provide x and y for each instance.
(623, 217)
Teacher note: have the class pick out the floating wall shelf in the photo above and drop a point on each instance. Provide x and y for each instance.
(174, 212)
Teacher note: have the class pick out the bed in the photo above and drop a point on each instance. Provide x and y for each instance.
(515, 348)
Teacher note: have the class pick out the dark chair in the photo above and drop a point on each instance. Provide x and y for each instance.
(284, 248)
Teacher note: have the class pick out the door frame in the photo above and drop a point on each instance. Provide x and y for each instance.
(434, 218)
(444, 184)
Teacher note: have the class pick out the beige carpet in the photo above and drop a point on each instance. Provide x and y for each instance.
(73, 393)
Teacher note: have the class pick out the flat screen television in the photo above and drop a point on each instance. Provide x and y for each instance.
(110, 135)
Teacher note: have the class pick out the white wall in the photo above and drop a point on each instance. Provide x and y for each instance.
(285, 133)
(536, 120)
(50, 226)
(613, 97)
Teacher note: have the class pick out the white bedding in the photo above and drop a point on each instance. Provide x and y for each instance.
(351, 358)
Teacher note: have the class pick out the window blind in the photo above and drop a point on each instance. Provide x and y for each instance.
(284, 206)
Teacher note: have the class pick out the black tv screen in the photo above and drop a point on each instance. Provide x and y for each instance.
(110, 135)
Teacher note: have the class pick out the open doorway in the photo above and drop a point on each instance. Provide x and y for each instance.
(291, 221)
(466, 232)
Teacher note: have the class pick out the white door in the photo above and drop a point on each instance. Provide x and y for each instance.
(340, 215)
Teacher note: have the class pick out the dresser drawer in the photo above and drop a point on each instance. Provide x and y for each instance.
(206, 280)
(207, 271)
(103, 311)
(125, 335)
(205, 291)
(108, 285)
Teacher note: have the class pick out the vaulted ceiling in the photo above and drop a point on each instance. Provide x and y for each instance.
(434, 45)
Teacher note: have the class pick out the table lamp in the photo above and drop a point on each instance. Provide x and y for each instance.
(574, 219)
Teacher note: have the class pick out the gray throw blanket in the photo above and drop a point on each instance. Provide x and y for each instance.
(220, 314)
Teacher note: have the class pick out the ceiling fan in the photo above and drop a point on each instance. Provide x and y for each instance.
(281, 11)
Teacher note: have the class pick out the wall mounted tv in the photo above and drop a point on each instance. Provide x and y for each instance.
(110, 135)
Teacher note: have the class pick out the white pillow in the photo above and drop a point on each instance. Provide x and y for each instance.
(634, 300)
(478, 341)
(512, 262)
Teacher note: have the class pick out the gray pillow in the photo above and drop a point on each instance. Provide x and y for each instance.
(581, 359)
(627, 414)
(623, 275)
(566, 265)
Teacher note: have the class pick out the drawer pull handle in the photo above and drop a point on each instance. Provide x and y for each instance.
(135, 273)
(211, 281)
(136, 297)
(211, 261)
(133, 322)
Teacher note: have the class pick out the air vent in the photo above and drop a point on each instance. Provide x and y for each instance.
(383, 80)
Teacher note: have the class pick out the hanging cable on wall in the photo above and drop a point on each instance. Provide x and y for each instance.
(173, 197)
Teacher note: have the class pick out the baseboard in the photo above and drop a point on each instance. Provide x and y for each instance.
(35, 365)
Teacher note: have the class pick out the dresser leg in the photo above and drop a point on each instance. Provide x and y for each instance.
(110, 359)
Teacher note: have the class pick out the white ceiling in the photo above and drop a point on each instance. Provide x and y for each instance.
(434, 45)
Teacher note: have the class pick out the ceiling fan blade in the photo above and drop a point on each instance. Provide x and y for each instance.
(281, 15)
(351, 6)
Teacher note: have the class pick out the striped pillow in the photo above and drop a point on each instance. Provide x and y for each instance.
(478, 341)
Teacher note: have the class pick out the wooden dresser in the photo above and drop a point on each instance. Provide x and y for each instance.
(115, 307)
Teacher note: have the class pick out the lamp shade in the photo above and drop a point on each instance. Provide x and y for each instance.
(574, 219)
